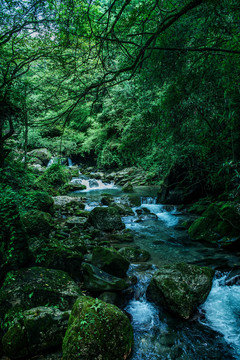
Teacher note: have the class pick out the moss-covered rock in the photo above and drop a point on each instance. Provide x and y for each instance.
(27, 288)
(41, 201)
(110, 261)
(127, 187)
(42, 154)
(97, 330)
(54, 178)
(105, 219)
(56, 255)
(219, 220)
(37, 222)
(38, 329)
(123, 209)
(180, 288)
(98, 280)
(134, 254)
(74, 186)
(124, 236)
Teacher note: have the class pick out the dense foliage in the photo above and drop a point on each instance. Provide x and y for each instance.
(151, 84)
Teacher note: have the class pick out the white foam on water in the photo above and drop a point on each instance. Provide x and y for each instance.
(94, 184)
(167, 217)
(222, 311)
(144, 314)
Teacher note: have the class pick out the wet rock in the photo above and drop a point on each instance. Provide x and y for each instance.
(98, 280)
(105, 219)
(97, 330)
(235, 280)
(134, 255)
(37, 330)
(59, 257)
(73, 186)
(27, 288)
(123, 210)
(127, 187)
(180, 288)
(42, 154)
(124, 236)
(37, 222)
(110, 261)
(41, 201)
(60, 201)
(219, 220)
(107, 200)
(76, 221)
(109, 297)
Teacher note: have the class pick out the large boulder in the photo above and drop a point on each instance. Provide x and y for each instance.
(221, 219)
(27, 288)
(41, 201)
(134, 254)
(180, 288)
(97, 330)
(56, 255)
(123, 209)
(37, 222)
(110, 261)
(42, 154)
(105, 219)
(98, 280)
(36, 330)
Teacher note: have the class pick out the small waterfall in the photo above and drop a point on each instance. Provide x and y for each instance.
(145, 318)
(70, 163)
(93, 184)
(148, 200)
(222, 311)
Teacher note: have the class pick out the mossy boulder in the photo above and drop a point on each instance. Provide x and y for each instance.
(180, 288)
(36, 330)
(95, 279)
(133, 254)
(219, 220)
(37, 222)
(41, 201)
(123, 209)
(110, 261)
(42, 154)
(105, 219)
(27, 288)
(59, 257)
(54, 178)
(97, 330)
(127, 187)
(124, 236)
(74, 186)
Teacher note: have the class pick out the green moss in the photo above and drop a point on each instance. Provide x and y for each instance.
(97, 330)
(15, 342)
(37, 222)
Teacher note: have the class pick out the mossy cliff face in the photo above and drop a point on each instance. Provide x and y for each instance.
(97, 330)
(180, 288)
(220, 220)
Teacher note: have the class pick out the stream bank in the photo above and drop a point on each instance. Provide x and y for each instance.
(152, 227)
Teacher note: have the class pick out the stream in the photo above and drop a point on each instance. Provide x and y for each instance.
(213, 333)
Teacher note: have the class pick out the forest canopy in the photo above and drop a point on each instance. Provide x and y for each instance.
(147, 83)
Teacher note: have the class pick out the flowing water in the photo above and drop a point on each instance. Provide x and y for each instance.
(215, 332)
